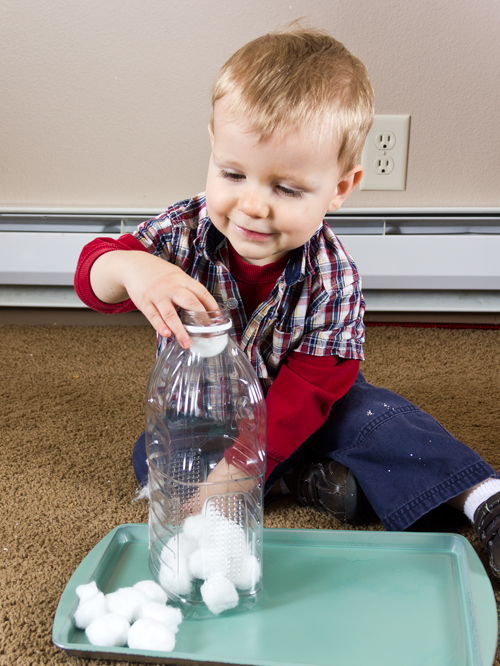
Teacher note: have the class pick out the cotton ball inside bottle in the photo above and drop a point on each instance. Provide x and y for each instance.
(90, 608)
(246, 572)
(177, 582)
(194, 527)
(110, 630)
(174, 575)
(180, 543)
(149, 634)
(208, 347)
(208, 561)
(152, 591)
(127, 602)
(219, 594)
(225, 534)
(168, 615)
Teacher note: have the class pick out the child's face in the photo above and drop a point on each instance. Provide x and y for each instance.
(270, 197)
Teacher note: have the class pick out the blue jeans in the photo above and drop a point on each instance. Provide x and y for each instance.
(404, 460)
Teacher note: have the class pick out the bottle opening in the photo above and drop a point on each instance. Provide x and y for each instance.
(209, 328)
(210, 322)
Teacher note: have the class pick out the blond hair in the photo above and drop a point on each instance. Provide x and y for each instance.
(289, 79)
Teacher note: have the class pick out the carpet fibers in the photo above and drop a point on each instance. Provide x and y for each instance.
(72, 406)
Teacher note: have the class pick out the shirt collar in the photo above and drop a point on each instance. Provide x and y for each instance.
(300, 265)
(209, 241)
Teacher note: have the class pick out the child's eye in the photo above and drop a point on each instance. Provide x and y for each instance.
(288, 192)
(231, 175)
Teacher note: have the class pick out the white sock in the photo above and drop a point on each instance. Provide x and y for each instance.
(480, 495)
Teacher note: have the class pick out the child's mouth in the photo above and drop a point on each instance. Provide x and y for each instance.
(253, 235)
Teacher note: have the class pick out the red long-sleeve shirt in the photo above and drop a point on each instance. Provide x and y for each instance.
(306, 386)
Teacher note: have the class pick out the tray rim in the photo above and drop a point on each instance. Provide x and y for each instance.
(479, 596)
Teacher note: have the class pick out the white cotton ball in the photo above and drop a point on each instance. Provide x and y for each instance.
(87, 591)
(226, 535)
(174, 575)
(206, 562)
(246, 572)
(142, 493)
(182, 544)
(152, 591)
(108, 631)
(219, 594)
(207, 347)
(89, 609)
(193, 527)
(170, 616)
(176, 581)
(126, 601)
(150, 634)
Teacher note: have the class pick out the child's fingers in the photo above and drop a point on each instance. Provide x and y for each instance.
(188, 299)
(174, 324)
(204, 296)
(156, 321)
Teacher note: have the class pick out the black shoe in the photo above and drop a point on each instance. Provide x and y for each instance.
(328, 486)
(487, 526)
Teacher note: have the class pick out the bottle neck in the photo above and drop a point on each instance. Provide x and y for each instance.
(211, 323)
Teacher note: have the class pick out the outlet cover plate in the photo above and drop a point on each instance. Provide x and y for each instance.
(399, 128)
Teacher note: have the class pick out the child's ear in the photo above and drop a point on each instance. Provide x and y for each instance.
(345, 187)
(211, 134)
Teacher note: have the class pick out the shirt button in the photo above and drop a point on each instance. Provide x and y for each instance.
(232, 303)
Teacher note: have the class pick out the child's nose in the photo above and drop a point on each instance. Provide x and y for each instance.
(253, 204)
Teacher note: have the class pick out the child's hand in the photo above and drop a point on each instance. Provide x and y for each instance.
(156, 287)
(219, 478)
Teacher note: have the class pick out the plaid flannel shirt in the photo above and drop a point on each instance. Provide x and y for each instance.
(316, 306)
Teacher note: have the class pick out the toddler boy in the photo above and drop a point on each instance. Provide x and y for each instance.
(291, 112)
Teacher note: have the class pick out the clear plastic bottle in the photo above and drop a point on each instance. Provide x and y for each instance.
(205, 419)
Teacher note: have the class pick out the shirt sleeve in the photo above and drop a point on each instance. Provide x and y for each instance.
(336, 327)
(300, 399)
(298, 403)
(90, 253)
(334, 321)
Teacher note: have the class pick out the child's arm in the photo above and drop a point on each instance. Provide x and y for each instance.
(112, 271)
(301, 398)
(297, 404)
(155, 286)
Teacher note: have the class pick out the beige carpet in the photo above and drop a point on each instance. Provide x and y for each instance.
(72, 406)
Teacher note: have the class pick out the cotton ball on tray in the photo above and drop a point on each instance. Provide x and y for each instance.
(126, 601)
(206, 562)
(219, 594)
(152, 591)
(110, 630)
(149, 634)
(168, 615)
(246, 572)
(89, 609)
(87, 591)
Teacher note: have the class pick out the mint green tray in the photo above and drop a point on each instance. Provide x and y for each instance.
(330, 598)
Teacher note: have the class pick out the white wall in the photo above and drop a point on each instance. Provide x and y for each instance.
(105, 103)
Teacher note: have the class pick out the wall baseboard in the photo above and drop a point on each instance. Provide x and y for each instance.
(85, 317)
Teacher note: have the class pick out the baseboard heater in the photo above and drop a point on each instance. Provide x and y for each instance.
(413, 260)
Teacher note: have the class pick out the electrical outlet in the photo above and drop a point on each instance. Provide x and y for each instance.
(385, 154)
(384, 165)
